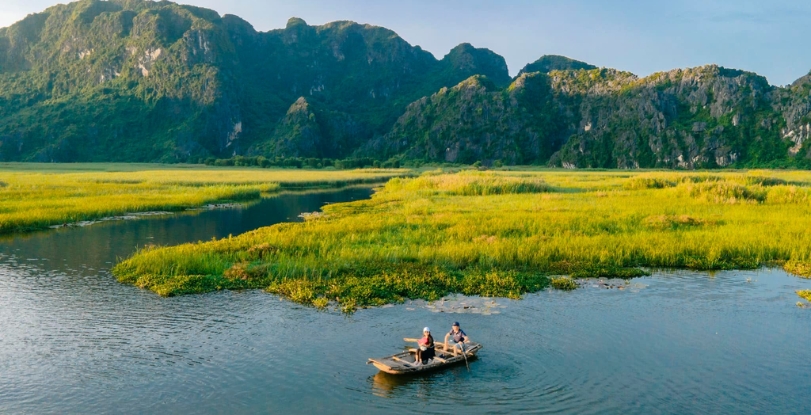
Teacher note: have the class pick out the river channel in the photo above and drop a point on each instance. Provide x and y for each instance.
(73, 340)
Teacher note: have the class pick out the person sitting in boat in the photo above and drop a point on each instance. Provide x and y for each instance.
(458, 336)
(425, 351)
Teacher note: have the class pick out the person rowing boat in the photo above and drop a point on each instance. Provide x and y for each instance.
(458, 336)
(403, 363)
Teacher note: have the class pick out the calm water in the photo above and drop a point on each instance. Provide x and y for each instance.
(72, 340)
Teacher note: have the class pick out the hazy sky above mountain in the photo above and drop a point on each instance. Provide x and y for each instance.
(641, 36)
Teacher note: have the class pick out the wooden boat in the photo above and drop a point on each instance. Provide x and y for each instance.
(403, 363)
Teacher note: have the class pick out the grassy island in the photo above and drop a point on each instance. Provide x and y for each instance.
(35, 196)
(501, 233)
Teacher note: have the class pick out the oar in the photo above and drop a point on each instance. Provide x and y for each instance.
(409, 339)
(462, 346)
(464, 352)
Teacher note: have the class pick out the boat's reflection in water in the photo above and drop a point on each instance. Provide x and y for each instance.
(385, 385)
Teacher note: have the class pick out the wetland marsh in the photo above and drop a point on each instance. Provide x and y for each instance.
(77, 341)
(501, 233)
(37, 196)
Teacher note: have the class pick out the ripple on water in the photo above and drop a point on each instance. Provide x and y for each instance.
(76, 341)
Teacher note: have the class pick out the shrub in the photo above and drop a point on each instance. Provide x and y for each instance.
(564, 283)
(639, 183)
(726, 192)
(391, 164)
(321, 303)
(224, 162)
(781, 195)
(672, 221)
(764, 181)
(799, 268)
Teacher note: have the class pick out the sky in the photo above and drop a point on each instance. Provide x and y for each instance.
(640, 36)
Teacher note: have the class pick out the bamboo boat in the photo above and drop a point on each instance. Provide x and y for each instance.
(403, 363)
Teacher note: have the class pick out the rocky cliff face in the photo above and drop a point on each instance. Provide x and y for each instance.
(357, 78)
(476, 121)
(135, 80)
(117, 80)
(700, 117)
(139, 80)
(794, 105)
(297, 133)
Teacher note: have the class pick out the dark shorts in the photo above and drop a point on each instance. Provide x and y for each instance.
(429, 353)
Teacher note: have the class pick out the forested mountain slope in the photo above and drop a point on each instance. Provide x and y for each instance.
(135, 80)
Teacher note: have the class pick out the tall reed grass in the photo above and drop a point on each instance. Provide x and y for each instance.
(501, 233)
(30, 200)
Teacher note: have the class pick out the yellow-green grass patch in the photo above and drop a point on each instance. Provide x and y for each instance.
(501, 233)
(31, 200)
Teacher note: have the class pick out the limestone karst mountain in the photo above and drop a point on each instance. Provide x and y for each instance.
(135, 80)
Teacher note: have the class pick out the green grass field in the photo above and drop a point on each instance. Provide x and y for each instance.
(501, 233)
(35, 196)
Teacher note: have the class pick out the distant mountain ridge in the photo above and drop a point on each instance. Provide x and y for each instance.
(135, 80)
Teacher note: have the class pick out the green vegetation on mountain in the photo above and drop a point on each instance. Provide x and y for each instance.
(694, 118)
(136, 80)
(475, 121)
(704, 117)
(549, 63)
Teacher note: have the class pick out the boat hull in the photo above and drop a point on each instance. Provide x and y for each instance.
(403, 363)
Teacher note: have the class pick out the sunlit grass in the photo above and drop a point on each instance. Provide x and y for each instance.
(563, 283)
(502, 233)
(58, 194)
